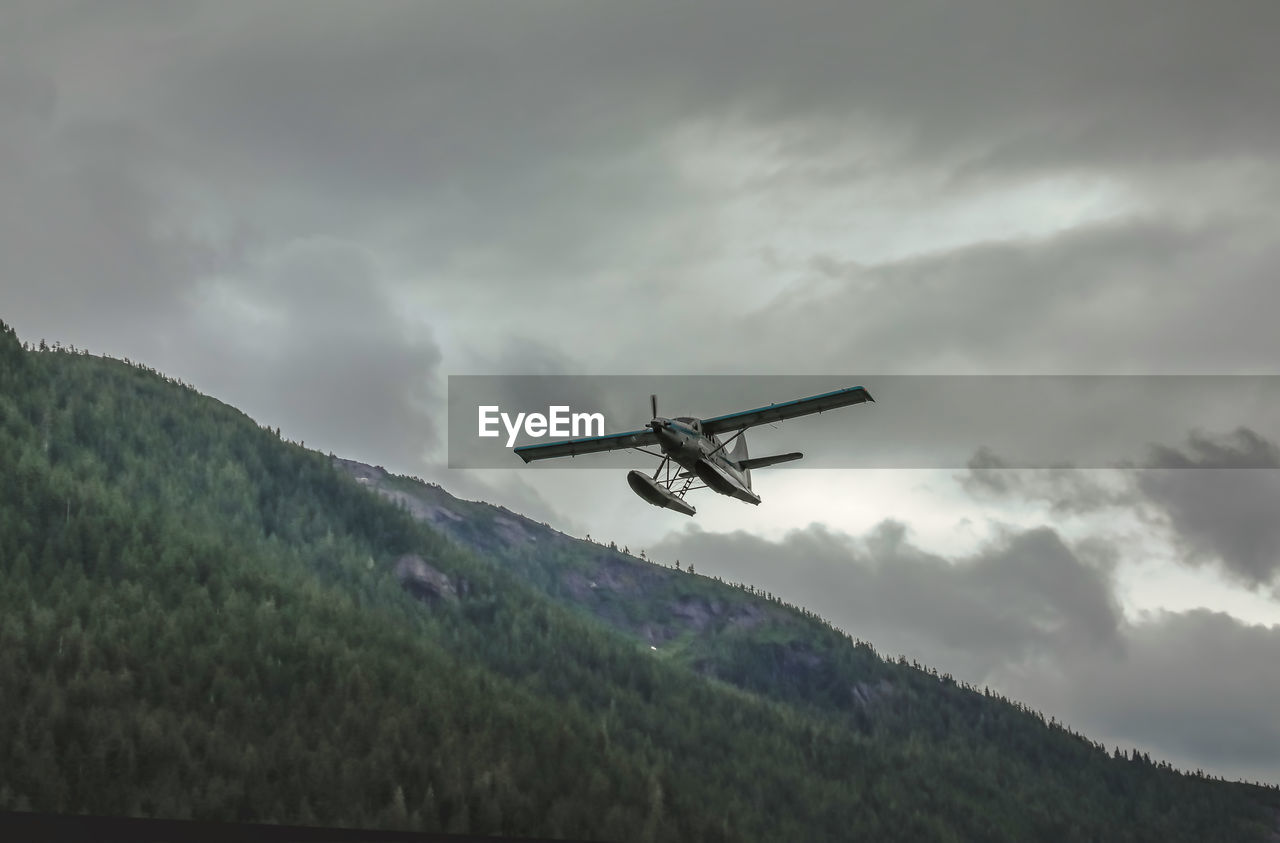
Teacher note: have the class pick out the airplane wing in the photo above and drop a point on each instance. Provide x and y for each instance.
(787, 410)
(587, 445)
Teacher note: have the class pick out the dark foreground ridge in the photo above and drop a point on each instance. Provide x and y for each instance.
(32, 827)
(202, 621)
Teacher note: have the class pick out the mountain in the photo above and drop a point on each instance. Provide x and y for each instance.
(732, 633)
(200, 619)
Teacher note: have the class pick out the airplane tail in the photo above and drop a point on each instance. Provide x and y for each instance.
(761, 462)
(739, 456)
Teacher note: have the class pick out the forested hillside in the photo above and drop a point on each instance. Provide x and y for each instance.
(201, 619)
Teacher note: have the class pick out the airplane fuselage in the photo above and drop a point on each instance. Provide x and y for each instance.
(703, 456)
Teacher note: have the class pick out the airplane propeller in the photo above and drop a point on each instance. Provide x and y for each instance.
(656, 422)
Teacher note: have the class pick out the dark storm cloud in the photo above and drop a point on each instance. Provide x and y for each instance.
(1242, 448)
(536, 149)
(1068, 491)
(370, 89)
(1221, 513)
(530, 144)
(1218, 496)
(500, 134)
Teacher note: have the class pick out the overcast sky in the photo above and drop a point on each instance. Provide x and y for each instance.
(318, 211)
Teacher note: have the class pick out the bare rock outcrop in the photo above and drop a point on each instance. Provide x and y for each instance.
(423, 581)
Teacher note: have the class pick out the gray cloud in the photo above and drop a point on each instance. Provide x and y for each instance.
(1216, 496)
(528, 152)
(80, 244)
(1024, 306)
(1222, 513)
(321, 352)
(1067, 491)
(1242, 448)
(1091, 81)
